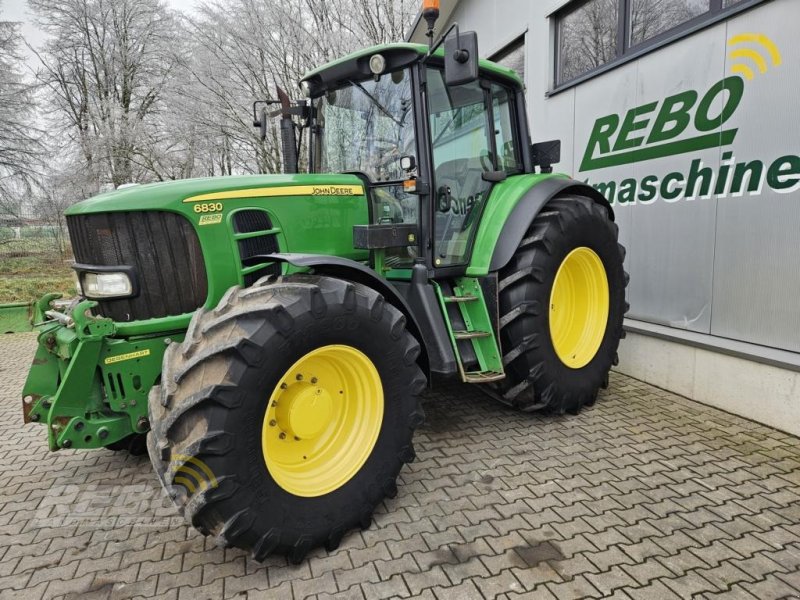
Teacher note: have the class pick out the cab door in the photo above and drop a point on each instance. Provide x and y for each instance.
(473, 145)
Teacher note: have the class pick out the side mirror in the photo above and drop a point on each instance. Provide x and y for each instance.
(461, 58)
(546, 154)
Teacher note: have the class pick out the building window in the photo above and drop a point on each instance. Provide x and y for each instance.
(594, 33)
(587, 38)
(650, 18)
(512, 56)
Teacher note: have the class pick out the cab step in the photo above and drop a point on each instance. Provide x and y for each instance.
(457, 299)
(483, 376)
(471, 330)
(470, 335)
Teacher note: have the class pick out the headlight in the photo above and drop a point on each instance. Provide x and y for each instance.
(77, 279)
(377, 64)
(106, 285)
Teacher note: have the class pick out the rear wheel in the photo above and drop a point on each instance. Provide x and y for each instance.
(285, 416)
(562, 301)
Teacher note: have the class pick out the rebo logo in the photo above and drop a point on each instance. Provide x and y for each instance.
(689, 122)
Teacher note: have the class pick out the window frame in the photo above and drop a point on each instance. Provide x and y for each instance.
(519, 41)
(624, 51)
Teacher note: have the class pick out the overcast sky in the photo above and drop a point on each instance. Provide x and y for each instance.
(18, 11)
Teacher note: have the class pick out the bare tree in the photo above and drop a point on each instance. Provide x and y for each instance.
(20, 146)
(143, 94)
(243, 48)
(587, 38)
(651, 17)
(106, 65)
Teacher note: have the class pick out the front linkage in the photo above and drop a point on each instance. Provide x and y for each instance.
(87, 386)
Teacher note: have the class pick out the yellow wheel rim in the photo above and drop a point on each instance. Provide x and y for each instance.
(579, 307)
(322, 421)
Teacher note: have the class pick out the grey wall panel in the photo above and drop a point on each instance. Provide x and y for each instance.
(672, 242)
(757, 259)
(616, 92)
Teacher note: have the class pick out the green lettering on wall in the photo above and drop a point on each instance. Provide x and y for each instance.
(627, 191)
(649, 189)
(702, 142)
(784, 172)
(603, 129)
(675, 114)
(676, 190)
(735, 87)
(630, 124)
(704, 176)
(754, 170)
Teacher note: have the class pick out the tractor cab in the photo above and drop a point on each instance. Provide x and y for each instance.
(429, 131)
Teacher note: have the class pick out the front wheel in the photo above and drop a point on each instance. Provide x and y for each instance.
(562, 301)
(285, 416)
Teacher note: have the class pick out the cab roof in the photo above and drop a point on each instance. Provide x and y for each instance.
(398, 55)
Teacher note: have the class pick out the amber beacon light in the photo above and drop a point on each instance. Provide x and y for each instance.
(430, 12)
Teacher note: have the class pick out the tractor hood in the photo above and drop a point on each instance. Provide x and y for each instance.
(182, 244)
(175, 195)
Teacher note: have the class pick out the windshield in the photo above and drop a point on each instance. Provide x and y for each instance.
(365, 127)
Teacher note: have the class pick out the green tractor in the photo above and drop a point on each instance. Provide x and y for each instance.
(267, 338)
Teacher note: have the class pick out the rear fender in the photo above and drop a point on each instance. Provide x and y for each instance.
(524, 212)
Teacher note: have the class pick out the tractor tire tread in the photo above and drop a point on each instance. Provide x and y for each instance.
(225, 340)
(531, 388)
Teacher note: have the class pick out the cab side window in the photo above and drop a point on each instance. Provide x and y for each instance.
(471, 134)
(503, 112)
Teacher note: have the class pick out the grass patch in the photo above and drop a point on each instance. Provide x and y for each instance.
(26, 278)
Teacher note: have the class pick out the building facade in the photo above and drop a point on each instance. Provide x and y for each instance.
(683, 113)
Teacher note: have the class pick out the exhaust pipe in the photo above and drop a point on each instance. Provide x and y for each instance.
(288, 137)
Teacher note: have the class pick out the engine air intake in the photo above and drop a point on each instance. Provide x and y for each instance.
(252, 221)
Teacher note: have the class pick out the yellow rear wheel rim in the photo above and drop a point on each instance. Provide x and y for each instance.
(322, 420)
(579, 304)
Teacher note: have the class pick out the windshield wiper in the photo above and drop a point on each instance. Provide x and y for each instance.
(375, 102)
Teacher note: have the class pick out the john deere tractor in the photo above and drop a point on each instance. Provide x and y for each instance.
(266, 338)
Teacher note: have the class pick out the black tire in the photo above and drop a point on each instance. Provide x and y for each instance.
(215, 389)
(536, 378)
(134, 444)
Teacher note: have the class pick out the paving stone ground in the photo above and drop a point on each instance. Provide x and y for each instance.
(645, 495)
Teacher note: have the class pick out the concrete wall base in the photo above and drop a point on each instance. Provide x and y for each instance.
(764, 393)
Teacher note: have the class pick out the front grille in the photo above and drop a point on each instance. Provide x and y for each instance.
(162, 248)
